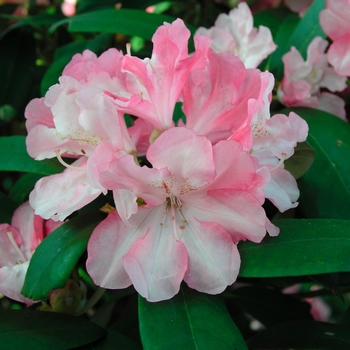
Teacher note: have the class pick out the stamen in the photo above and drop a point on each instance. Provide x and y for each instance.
(14, 244)
(165, 211)
(58, 155)
(174, 223)
(283, 156)
(128, 49)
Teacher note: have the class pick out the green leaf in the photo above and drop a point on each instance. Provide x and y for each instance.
(274, 61)
(301, 160)
(302, 248)
(308, 28)
(190, 320)
(123, 21)
(35, 330)
(302, 335)
(325, 188)
(269, 306)
(14, 157)
(56, 256)
(20, 191)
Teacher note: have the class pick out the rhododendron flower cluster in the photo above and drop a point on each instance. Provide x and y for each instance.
(18, 242)
(181, 217)
(303, 80)
(234, 33)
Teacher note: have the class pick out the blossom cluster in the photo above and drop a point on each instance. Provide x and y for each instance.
(185, 192)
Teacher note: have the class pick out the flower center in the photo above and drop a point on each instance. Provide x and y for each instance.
(175, 210)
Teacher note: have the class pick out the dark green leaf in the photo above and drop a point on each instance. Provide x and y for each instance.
(274, 61)
(7, 207)
(56, 256)
(325, 188)
(35, 330)
(302, 335)
(14, 157)
(190, 320)
(123, 21)
(302, 248)
(301, 160)
(20, 191)
(269, 306)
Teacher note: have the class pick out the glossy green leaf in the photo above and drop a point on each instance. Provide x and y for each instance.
(302, 335)
(14, 157)
(56, 256)
(7, 207)
(38, 330)
(269, 306)
(325, 188)
(20, 191)
(308, 28)
(303, 247)
(123, 21)
(301, 160)
(190, 320)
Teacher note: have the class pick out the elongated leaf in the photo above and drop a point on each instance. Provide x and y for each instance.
(303, 335)
(303, 247)
(190, 320)
(269, 306)
(14, 157)
(308, 28)
(123, 21)
(35, 330)
(325, 188)
(56, 256)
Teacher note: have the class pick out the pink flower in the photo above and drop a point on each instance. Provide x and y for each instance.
(303, 80)
(162, 77)
(335, 22)
(17, 244)
(195, 205)
(300, 6)
(234, 33)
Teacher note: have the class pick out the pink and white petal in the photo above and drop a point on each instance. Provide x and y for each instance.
(223, 41)
(282, 190)
(332, 104)
(99, 162)
(339, 55)
(58, 196)
(37, 113)
(11, 282)
(239, 212)
(145, 182)
(80, 65)
(109, 242)
(140, 134)
(125, 204)
(29, 226)
(271, 229)
(156, 263)
(213, 258)
(9, 256)
(184, 154)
